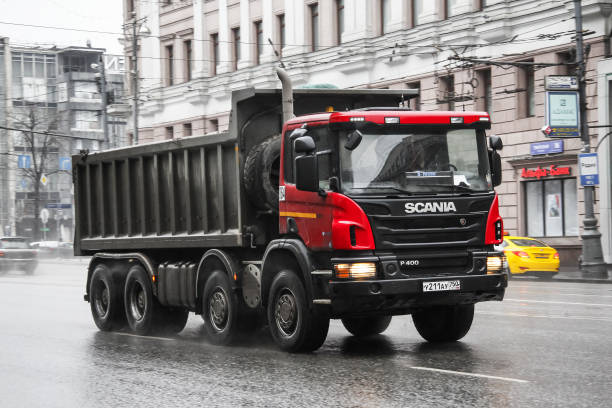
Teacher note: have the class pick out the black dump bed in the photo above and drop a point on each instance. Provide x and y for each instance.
(188, 193)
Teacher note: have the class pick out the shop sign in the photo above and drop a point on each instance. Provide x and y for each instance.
(540, 172)
(562, 118)
(553, 146)
(589, 175)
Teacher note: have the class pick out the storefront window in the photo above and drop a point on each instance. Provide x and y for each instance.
(551, 209)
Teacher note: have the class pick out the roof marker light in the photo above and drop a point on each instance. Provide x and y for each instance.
(357, 119)
(456, 120)
(483, 119)
(392, 120)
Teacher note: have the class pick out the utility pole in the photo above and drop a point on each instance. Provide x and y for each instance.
(104, 101)
(592, 255)
(135, 26)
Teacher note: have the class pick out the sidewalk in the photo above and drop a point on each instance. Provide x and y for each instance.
(575, 275)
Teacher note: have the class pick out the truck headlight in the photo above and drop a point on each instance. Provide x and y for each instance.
(358, 270)
(495, 264)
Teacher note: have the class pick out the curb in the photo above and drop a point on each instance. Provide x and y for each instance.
(582, 280)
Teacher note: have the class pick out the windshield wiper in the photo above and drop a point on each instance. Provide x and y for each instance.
(399, 190)
(453, 186)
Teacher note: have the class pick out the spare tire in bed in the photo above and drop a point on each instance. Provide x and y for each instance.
(260, 174)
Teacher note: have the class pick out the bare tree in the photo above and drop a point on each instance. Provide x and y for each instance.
(35, 124)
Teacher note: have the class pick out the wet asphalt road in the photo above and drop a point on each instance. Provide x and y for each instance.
(547, 344)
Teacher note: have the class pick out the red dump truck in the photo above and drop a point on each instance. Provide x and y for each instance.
(357, 209)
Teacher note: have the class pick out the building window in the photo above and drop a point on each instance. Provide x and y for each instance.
(484, 92)
(447, 91)
(280, 19)
(259, 41)
(449, 7)
(188, 60)
(169, 132)
(550, 208)
(213, 126)
(187, 130)
(236, 46)
(130, 6)
(339, 20)
(169, 65)
(526, 91)
(314, 26)
(385, 15)
(415, 102)
(416, 10)
(214, 43)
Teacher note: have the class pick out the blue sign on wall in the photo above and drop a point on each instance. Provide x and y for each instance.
(23, 161)
(552, 146)
(65, 163)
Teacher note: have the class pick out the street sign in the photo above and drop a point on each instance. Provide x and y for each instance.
(44, 229)
(44, 180)
(65, 163)
(561, 83)
(59, 205)
(589, 174)
(44, 215)
(562, 114)
(549, 147)
(23, 161)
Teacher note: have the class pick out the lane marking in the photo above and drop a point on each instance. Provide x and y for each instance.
(492, 377)
(144, 337)
(601, 319)
(552, 302)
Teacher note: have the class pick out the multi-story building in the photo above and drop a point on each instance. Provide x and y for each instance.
(488, 55)
(53, 92)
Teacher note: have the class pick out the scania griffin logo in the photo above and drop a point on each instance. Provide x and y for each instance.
(431, 207)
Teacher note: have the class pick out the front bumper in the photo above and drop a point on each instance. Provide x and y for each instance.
(11, 264)
(402, 296)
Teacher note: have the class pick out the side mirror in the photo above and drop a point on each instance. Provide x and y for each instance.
(495, 142)
(354, 139)
(306, 173)
(304, 144)
(496, 168)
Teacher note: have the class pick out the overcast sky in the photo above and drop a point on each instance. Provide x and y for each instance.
(97, 15)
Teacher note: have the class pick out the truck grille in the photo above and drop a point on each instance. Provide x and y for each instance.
(428, 230)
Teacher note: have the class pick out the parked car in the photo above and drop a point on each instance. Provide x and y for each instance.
(16, 254)
(53, 249)
(528, 256)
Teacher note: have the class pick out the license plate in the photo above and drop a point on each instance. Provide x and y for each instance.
(439, 286)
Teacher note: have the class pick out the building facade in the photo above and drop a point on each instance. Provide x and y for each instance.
(51, 109)
(491, 55)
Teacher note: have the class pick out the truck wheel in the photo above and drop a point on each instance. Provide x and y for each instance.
(366, 326)
(261, 172)
(144, 313)
(219, 309)
(105, 300)
(294, 327)
(444, 323)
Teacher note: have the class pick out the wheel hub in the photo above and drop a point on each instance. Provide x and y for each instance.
(138, 301)
(286, 313)
(218, 309)
(102, 300)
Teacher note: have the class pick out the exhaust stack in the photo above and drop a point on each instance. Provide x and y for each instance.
(287, 97)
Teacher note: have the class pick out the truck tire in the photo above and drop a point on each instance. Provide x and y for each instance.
(444, 323)
(366, 326)
(144, 313)
(220, 309)
(294, 326)
(106, 300)
(261, 172)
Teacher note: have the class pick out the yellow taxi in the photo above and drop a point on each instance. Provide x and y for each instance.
(528, 256)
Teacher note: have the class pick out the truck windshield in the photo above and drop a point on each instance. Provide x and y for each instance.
(416, 161)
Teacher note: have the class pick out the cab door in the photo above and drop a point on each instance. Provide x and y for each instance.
(305, 213)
